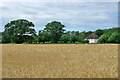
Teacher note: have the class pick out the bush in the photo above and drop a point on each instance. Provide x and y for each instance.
(104, 38)
(85, 41)
(73, 38)
(114, 38)
(65, 38)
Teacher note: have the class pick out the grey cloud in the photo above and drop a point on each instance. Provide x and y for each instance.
(72, 13)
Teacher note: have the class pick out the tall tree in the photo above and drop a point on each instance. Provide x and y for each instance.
(73, 38)
(17, 29)
(81, 36)
(65, 38)
(5, 37)
(104, 38)
(40, 36)
(43, 36)
(99, 32)
(76, 33)
(55, 29)
(0, 37)
(114, 38)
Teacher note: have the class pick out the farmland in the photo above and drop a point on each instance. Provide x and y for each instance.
(60, 60)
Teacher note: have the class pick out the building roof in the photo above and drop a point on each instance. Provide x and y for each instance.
(92, 36)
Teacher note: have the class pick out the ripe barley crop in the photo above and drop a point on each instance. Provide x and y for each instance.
(60, 60)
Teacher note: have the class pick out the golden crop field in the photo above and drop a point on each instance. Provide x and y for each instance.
(60, 61)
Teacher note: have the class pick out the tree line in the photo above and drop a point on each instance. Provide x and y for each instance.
(22, 31)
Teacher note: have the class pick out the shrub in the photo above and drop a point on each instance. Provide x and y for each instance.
(85, 41)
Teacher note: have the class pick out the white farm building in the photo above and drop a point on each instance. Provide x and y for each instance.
(92, 38)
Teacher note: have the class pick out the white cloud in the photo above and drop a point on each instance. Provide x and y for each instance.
(72, 13)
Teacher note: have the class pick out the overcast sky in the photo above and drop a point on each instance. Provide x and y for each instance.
(81, 16)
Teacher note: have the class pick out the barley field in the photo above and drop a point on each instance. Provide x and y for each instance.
(60, 61)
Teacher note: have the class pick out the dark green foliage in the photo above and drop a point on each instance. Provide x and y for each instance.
(104, 38)
(17, 29)
(43, 36)
(88, 33)
(65, 38)
(68, 33)
(114, 38)
(73, 38)
(0, 37)
(82, 36)
(21, 31)
(99, 32)
(85, 41)
(35, 38)
(40, 36)
(110, 36)
(76, 33)
(55, 29)
(0, 33)
(5, 37)
(27, 39)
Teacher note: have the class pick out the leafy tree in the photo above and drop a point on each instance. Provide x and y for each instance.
(40, 34)
(111, 30)
(35, 39)
(99, 32)
(85, 41)
(68, 33)
(76, 33)
(114, 38)
(0, 33)
(73, 38)
(45, 37)
(72, 32)
(82, 36)
(65, 38)
(55, 29)
(104, 38)
(18, 28)
(0, 37)
(27, 39)
(88, 33)
(21, 30)
(5, 38)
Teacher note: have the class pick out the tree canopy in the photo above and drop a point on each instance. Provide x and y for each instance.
(22, 31)
(65, 38)
(55, 29)
(114, 38)
(111, 35)
(0, 37)
(17, 29)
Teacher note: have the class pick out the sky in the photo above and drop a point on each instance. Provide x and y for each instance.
(75, 15)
